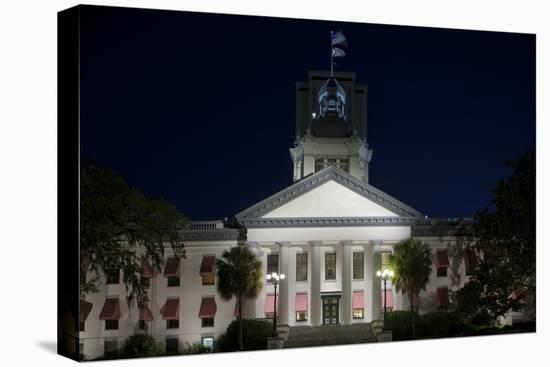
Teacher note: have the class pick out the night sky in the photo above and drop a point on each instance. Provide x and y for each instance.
(200, 108)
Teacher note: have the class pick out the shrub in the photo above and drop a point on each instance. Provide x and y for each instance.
(255, 334)
(140, 345)
(399, 322)
(196, 348)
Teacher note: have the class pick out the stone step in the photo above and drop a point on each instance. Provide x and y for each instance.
(304, 336)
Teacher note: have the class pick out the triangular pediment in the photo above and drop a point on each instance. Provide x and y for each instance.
(326, 194)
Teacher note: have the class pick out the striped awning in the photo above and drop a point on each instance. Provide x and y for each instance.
(358, 300)
(389, 299)
(85, 308)
(172, 267)
(145, 313)
(171, 309)
(443, 296)
(208, 308)
(300, 304)
(207, 265)
(110, 310)
(269, 300)
(442, 258)
(146, 269)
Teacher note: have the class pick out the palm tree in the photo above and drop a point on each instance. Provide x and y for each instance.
(239, 275)
(411, 263)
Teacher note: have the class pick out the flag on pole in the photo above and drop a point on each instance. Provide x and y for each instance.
(338, 38)
(338, 52)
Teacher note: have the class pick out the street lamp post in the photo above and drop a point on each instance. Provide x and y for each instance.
(385, 274)
(275, 278)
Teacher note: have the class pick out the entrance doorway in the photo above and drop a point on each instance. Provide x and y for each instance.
(330, 309)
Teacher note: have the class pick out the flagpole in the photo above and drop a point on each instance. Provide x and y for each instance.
(331, 62)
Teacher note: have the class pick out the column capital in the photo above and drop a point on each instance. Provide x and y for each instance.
(377, 244)
(346, 242)
(252, 244)
(283, 243)
(315, 243)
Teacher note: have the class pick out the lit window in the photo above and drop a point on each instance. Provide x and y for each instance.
(330, 266)
(207, 342)
(301, 316)
(209, 278)
(358, 314)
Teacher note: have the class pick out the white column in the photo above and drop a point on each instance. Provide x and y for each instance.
(315, 296)
(346, 282)
(375, 262)
(284, 296)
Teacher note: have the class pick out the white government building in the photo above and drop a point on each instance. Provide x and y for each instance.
(328, 232)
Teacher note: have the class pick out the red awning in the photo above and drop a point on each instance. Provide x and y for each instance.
(207, 265)
(269, 304)
(442, 258)
(389, 299)
(146, 269)
(85, 308)
(358, 300)
(443, 296)
(111, 309)
(517, 294)
(171, 309)
(145, 313)
(301, 302)
(243, 305)
(208, 308)
(172, 267)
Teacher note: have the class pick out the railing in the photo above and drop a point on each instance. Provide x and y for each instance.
(207, 225)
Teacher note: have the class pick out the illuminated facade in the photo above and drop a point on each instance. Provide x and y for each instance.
(328, 232)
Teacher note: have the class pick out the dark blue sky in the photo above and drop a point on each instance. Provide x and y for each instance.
(200, 108)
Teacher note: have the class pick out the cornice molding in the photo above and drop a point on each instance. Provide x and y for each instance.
(328, 222)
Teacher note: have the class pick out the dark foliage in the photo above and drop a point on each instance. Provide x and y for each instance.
(255, 334)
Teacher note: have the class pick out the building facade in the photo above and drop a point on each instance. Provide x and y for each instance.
(329, 232)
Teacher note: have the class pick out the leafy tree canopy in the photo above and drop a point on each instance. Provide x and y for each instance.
(118, 225)
(505, 236)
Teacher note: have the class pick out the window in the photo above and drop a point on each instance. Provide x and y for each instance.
(324, 162)
(272, 263)
(358, 265)
(142, 325)
(207, 322)
(442, 260)
(111, 324)
(358, 314)
(385, 257)
(208, 342)
(209, 278)
(81, 326)
(330, 266)
(81, 351)
(173, 281)
(110, 347)
(113, 276)
(172, 345)
(172, 324)
(301, 316)
(301, 267)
